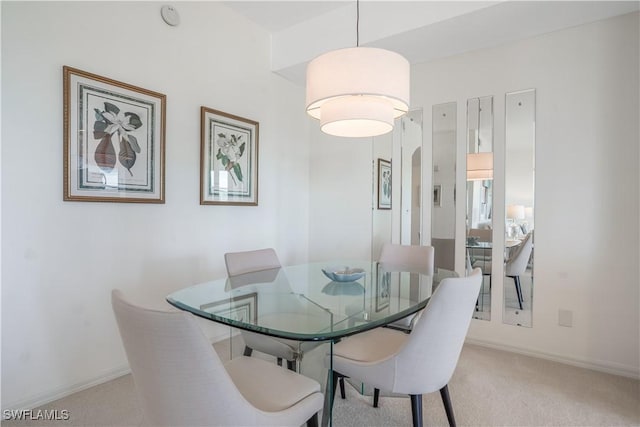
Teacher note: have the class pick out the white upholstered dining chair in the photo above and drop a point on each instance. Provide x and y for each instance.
(181, 380)
(242, 264)
(406, 258)
(422, 361)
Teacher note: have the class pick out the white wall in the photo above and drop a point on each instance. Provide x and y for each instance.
(587, 184)
(340, 185)
(61, 259)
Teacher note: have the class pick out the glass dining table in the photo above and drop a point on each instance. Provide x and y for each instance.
(322, 302)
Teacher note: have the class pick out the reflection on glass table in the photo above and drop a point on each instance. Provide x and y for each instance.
(301, 303)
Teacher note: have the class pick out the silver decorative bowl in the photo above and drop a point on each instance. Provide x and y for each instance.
(343, 274)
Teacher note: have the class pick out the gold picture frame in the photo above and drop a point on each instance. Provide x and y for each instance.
(228, 159)
(384, 184)
(114, 140)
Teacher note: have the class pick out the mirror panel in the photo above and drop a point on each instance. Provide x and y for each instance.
(520, 121)
(411, 176)
(443, 223)
(383, 200)
(479, 197)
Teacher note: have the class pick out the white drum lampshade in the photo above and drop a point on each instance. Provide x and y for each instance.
(358, 92)
(479, 166)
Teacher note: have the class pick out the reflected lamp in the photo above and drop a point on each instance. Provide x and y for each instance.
(515, 212)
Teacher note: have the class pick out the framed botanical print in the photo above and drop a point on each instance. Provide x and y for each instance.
(114, 140)
(229, 159)
(384, 184)
(242, 308)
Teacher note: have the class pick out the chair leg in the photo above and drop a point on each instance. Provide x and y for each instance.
(516, 281)
(313, 421)
(376, 397)
(446, 400)
(291, 365)
(342, 393)
(247, 351)
(336, 377)
(416, 409)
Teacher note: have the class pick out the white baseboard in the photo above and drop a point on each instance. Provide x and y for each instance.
(60, 392)
(607, 367)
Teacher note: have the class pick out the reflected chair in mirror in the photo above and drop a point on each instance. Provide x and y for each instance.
(480, 257)
(420, 362)
(181, 381)
(241, 264)
(484, 235)
(517, 264)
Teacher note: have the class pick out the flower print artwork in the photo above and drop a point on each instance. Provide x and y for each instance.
(229, 162)
(230, 150)
(384, 184)
(113, 125)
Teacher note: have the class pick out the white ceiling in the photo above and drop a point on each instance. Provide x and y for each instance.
(278, 15)
(419, 30)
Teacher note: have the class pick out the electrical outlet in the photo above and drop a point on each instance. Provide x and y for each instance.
(565, 318)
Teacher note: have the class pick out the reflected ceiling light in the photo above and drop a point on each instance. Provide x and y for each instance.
(479, 166)
(358, 92)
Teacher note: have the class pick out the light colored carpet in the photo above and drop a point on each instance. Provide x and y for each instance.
(489, 388)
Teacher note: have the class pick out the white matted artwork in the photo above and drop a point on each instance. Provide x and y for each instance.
(229, 159)
(114, 137)
(384, 184)
(243, 308)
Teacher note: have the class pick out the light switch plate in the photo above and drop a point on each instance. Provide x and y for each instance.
(565, 318)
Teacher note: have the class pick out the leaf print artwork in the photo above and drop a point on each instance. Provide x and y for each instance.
(105, 155)
(231, 148)
(110, 123)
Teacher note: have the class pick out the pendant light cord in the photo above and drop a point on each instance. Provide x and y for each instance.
(357, 23)
(479, 110)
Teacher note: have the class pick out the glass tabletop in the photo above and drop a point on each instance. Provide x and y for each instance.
(303, 303)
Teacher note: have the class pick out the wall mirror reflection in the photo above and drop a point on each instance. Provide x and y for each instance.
(520, 121)
(411, 176)
(479, 197)
(382, 193)
(443, 201)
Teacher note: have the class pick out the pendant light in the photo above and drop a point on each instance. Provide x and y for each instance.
(479, 164)
(359, 91)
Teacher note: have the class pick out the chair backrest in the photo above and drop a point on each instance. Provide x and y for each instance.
(428, 359)
(483, 234)
(445, 251)
(179, 377)
(251, 261)
(411, 258)
(517, 263)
